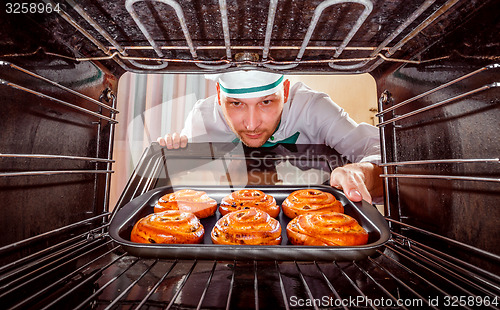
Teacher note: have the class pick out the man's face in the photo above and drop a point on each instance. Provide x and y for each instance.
(254, 120)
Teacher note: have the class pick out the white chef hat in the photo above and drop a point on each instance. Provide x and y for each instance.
(247, 83)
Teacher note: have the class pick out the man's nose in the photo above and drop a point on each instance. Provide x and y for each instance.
(252, 119)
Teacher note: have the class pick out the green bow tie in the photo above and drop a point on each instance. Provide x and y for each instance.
(290, 140)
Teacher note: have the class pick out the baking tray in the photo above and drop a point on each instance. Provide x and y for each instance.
(367, 215)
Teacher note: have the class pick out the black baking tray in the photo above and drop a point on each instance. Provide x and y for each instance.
(367, 215)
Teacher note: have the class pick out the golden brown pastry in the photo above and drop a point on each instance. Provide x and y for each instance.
(171, 226)
(188, 200)
(248, 226)
(310, 200)
(247, 198)
(326, 228)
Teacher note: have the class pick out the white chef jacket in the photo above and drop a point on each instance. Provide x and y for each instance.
(312, 114)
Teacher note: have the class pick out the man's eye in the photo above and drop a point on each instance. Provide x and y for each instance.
(266, 102)
(236, 103)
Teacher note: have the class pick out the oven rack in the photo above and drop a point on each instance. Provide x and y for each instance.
(63, 102)
(378, 55)
(99, 115)
(407, 265)
(33, 74)
(435, 89)
(87, 272)
(438, 104)
(386, 106)
(107, 95)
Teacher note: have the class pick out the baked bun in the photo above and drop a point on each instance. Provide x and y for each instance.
(310, 200)
(171, 226)
(249, 226)
(247, 198)
(188, 200)
(326, 228)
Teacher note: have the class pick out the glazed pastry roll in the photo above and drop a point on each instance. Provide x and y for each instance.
(188, 200)
(326, 228)
(310, 200)
(171, 226)
(248, 198)
(248, 226)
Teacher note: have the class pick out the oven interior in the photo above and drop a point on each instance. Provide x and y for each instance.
(436, 64)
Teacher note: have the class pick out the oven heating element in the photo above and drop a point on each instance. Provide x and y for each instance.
(376, 57)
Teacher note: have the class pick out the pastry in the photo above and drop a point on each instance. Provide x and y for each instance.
(310, 200)
(188, 200)
(248, 226)
(247, 198)
(171, 226)
(326, 228)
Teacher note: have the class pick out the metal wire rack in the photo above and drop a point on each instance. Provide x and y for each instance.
(99, 115)
(112, 49)
(88, 271)
(92, 272)
(394, 118)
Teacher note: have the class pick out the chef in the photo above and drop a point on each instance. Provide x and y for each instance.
(260, 109)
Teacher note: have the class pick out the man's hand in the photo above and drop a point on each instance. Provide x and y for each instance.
(173, 141)
(358, 181)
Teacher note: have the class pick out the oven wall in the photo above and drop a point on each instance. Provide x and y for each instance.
(30, 124)
(464, 128)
